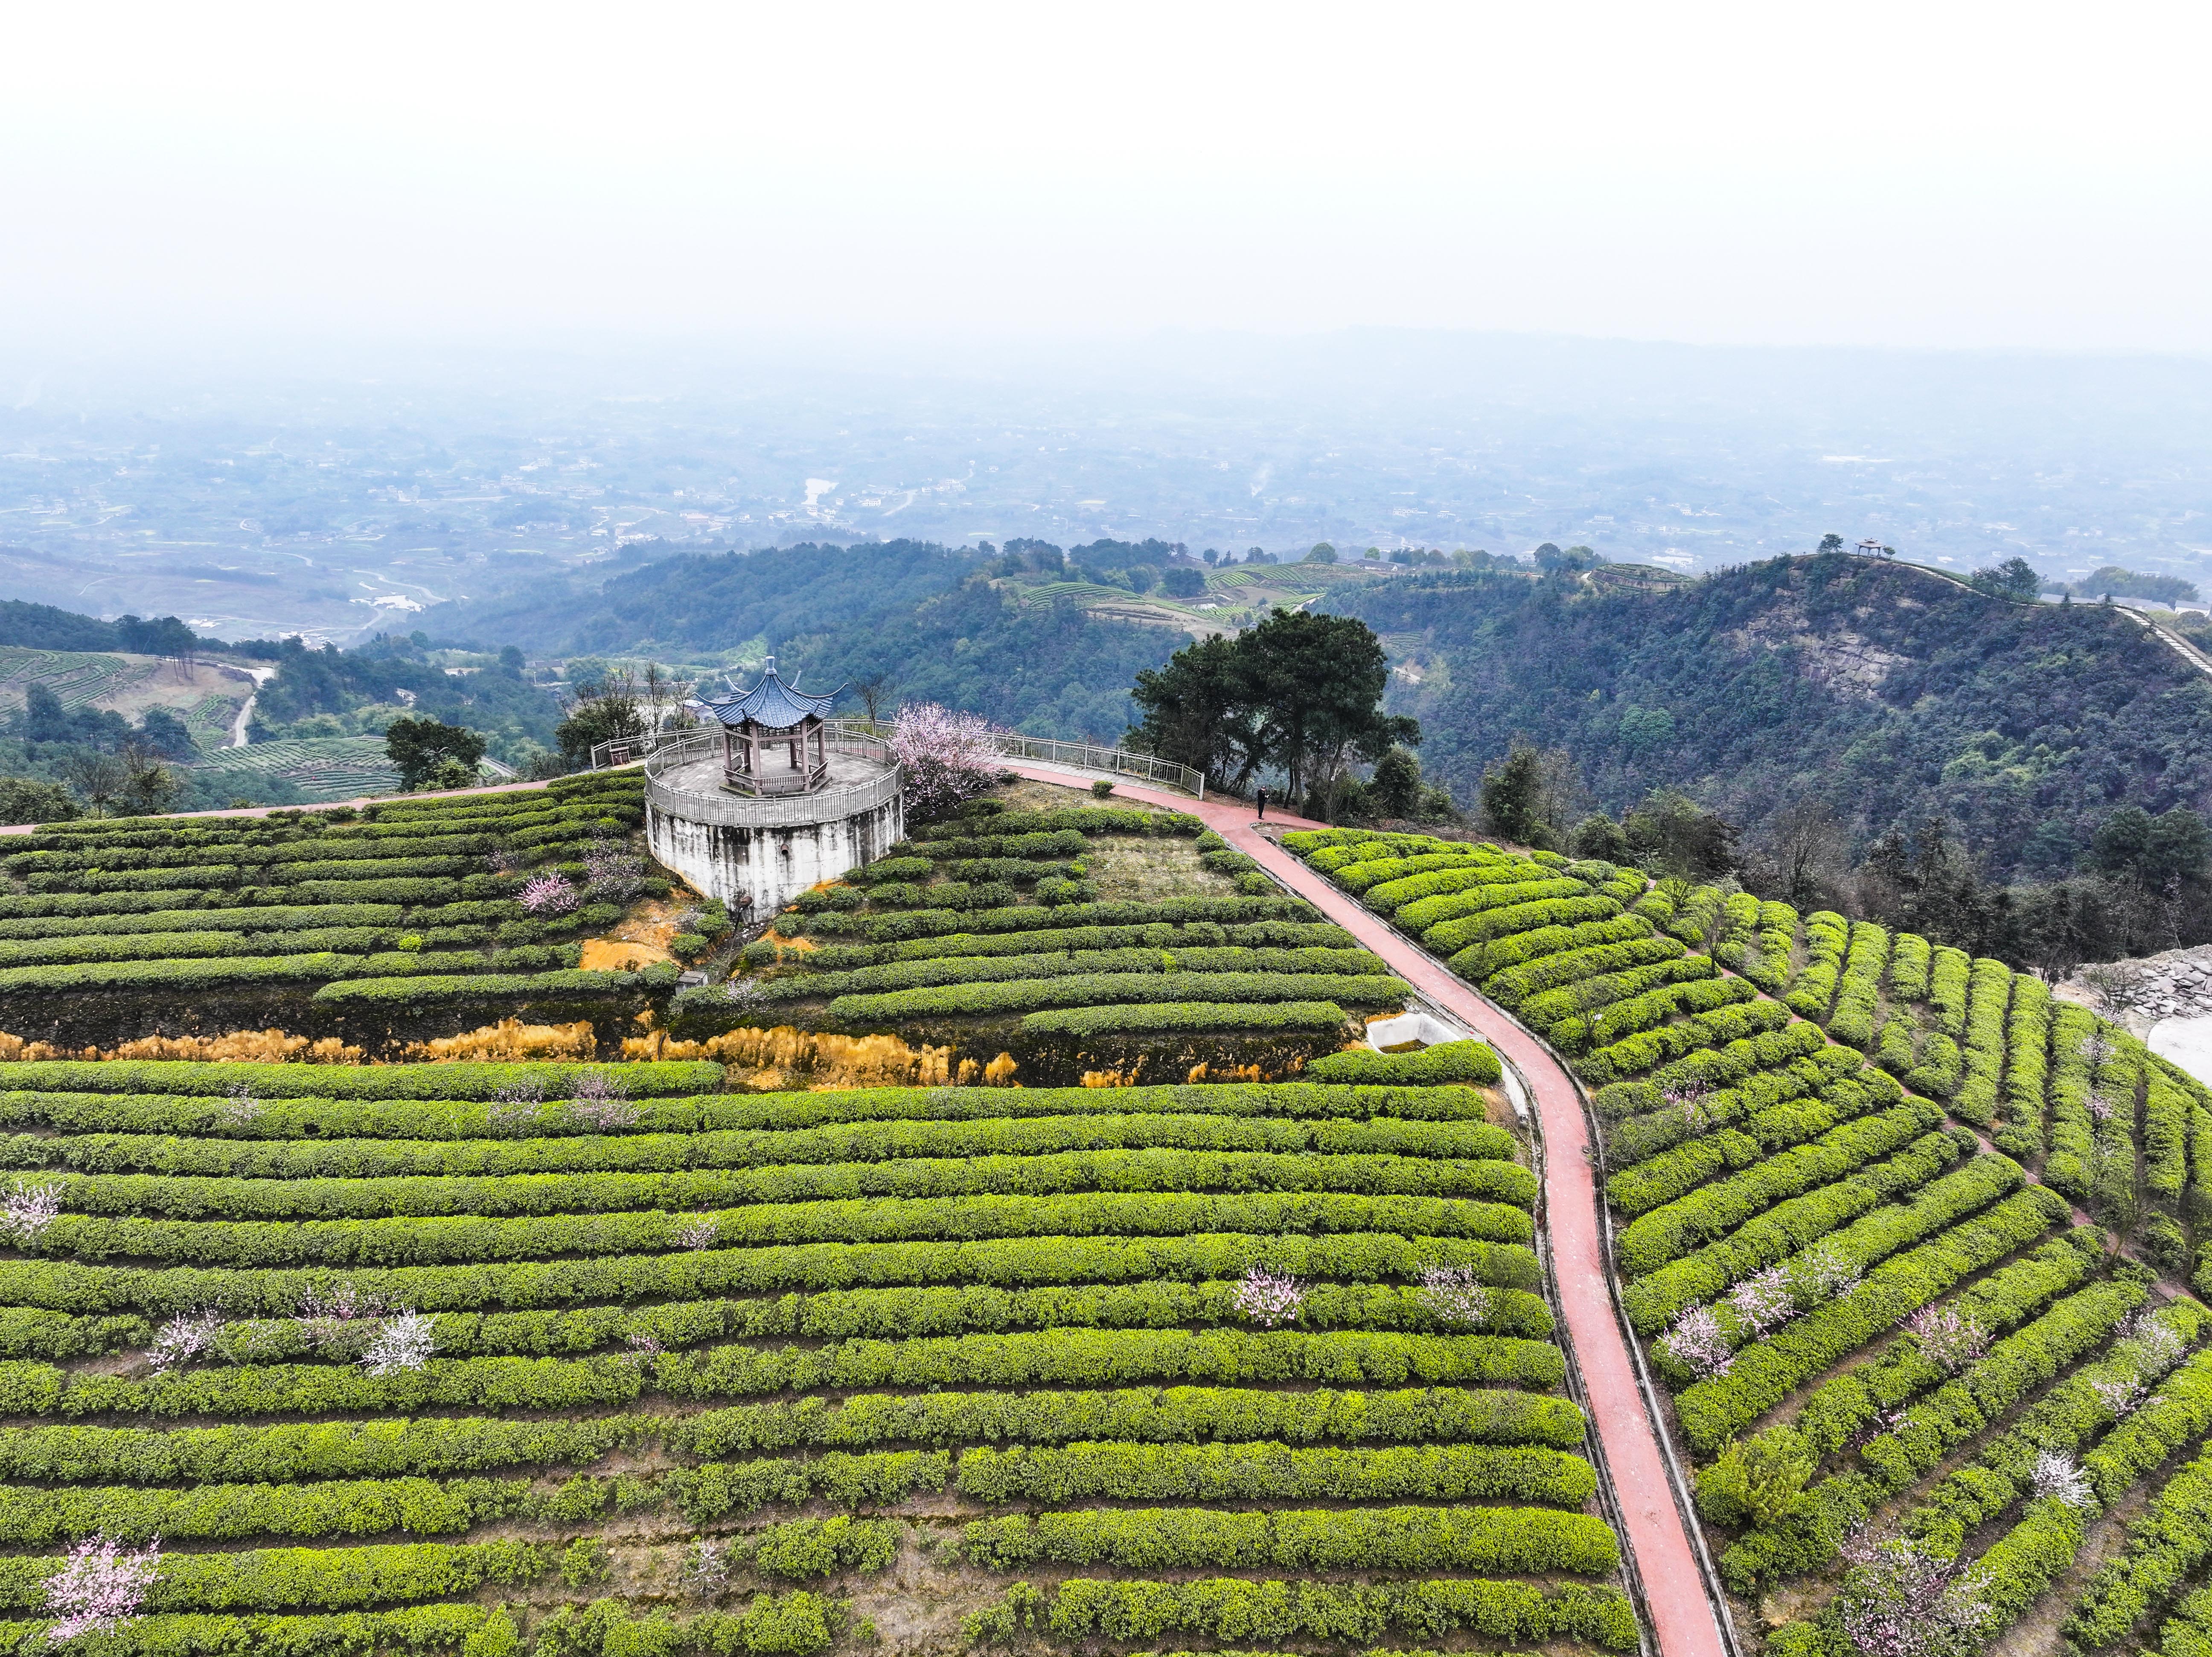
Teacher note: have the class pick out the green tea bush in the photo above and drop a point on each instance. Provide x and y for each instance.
(1447, 1062)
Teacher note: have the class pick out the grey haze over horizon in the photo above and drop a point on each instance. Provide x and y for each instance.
(332, 491)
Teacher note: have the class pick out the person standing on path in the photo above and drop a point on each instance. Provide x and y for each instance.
(1263, 806)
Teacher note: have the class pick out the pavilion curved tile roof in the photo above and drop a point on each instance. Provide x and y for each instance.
(771, 704)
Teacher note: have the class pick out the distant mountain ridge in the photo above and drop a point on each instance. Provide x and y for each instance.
(1888, 692)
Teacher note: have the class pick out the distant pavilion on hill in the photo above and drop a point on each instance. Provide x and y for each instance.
(772, 715)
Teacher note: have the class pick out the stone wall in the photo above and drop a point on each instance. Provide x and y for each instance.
(766, 868)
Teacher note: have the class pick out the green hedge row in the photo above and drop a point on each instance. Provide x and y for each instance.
(104, 1123)
(1990, 997)
(1725, 1068)
(1877, 1235)
(1512, 986)
(1489, 885)
(275, 1579)
(658, 1079)
(1076, 1357)
(369, 993)
(1763, 1375)
(147, 1196)
(1652, 1302)
(1581, 997)
(1852, 1022)
(1319, 1017)
(892, 1140)
(1025, 918)
(1445, 1063)
(696, 1274)
(1275, 1472)
(1655, 1047)
(1112, 989)
(275, 918)
(1448, 937)
(1126, 1610)
(1479, 962)
(446, 1446)
(1666, 1229)
(1908, 968)
(977, 969)
(2166, 1543)
(1766, 1111)
(441, 1240)
(1091, 1357)
(1647, 1012)
(1084, 819)
(1828, 936)
(1488, 893)
(1517, 1540)
(1034, 843)
(2001, 1379)
(1947, 975)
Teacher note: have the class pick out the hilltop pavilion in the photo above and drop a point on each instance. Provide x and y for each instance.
(772, 715)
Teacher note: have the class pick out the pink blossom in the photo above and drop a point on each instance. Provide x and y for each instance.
(945, 757)
(1764, 1300)
(2119, 1398)
(598, 1103)
(1947, 1337)
(1699, 1344)
(28, 1209)
(100, 1586)
(1269, 1299)
(1453, 1296)
(343, 1321)
(699, 1232)
(406, 1341)
(1822, 1275)
(1898, 1601)
(549, 895)
(184, 1337)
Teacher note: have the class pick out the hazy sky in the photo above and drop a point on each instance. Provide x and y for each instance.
(1918, 175)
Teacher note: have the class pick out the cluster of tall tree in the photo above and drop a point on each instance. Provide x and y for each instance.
(1299, 694)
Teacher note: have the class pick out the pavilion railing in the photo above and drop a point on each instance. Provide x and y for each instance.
(1077, 755)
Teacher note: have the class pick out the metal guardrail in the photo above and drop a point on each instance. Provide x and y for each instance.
(678, 748)
(1077, 756)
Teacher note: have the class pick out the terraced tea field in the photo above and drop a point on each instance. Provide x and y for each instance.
(1905, 1238)
(438, 1356)
(409, 920)
(320, 767)
(1106, 941)
(638, 1357)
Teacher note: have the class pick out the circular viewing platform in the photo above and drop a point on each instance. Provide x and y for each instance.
(684, 778)
(757, 852)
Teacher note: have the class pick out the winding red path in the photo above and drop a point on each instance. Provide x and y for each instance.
(1673, 1590)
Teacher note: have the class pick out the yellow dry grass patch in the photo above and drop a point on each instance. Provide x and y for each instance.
(510, 1040)
(641, 938)
(238, 1047)
(768, 1060)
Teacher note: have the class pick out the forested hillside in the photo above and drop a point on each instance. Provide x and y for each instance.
(923, 617)
(1885, 693)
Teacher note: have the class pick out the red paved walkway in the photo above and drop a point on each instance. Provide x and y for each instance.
(1683, 1616)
